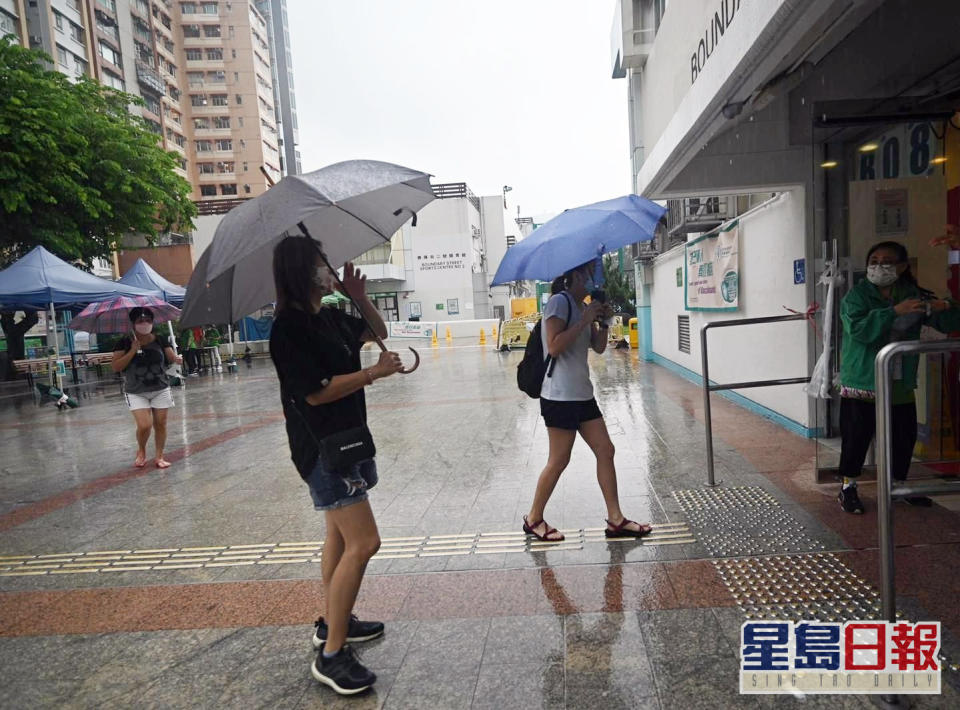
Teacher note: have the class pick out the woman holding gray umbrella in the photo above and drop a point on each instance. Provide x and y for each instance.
(316, 351)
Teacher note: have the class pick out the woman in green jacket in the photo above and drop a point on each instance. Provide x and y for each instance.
(887, 306)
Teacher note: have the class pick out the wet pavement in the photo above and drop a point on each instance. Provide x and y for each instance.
(197, 586)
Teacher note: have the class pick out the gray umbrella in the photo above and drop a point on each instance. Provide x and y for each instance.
(350, 207)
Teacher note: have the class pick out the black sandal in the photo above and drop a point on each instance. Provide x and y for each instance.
(528, 529)
(621, 530)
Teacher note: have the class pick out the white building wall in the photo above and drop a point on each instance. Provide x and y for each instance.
(770, 240)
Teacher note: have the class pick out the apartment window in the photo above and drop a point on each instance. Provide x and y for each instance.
(236, 76)
(195, 78)
(177, 138)
(228, 189)
(153, 126)
(211, 30)
(191, 30)
(173, 92)
(239, 99)
(224, 144)
(62, 57)
(58, 19)
(188, 8)
(110, 54)
(209, 8)
(74, 5)
(111, 79)
(151, 104)
(76, 32)
(198, 100)
(217, 77)
(194, 55)
(246, 167)
(214, 55)
(204, 146)
(234, 53)
(219, 99)
(240, 121)
(246, 189)
(183, 164)
(201, 124)
(205, 168)
(221, 122)
(80, 67)
(226, 167)
(208, 190)
(683, 334)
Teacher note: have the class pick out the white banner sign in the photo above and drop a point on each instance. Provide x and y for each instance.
(411, 329)
(712, 271)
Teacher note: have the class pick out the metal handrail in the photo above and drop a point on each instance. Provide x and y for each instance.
(708, 388)
(886, 490)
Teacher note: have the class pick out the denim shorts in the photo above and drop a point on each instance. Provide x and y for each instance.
(330, 490)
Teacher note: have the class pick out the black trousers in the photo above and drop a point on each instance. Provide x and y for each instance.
(858, 424)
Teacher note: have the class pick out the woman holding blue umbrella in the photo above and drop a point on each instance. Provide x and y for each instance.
(570, 329)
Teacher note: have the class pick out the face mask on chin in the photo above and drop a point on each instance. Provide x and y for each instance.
(882, 275)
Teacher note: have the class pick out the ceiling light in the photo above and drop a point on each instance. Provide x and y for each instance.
(940, 160)
(868, 147)
(829, 164)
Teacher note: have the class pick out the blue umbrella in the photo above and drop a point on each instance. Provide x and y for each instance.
(579, 235)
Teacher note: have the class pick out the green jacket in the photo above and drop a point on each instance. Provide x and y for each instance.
(868, 325)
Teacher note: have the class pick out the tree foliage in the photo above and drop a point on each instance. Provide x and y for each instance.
(78, 171)
(620, 294)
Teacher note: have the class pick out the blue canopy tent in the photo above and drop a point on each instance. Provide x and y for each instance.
(142, 275)
(41, 281)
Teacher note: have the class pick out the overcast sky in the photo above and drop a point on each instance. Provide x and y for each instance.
(490, 92)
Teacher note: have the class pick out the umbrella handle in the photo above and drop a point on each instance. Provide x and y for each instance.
(406, 370)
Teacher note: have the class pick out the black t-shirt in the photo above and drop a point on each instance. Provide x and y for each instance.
(145, 373)
(308, 350)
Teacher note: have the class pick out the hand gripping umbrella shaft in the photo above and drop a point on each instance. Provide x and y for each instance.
(343, 290)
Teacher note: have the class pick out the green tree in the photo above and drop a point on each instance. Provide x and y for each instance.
(78, 171)
(620, 295)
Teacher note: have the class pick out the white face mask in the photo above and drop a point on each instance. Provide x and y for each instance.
(143, 328)
(882, 274)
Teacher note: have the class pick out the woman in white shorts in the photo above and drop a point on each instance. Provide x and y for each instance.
(142, 357)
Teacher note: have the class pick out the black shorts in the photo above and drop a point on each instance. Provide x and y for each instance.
(568, 415)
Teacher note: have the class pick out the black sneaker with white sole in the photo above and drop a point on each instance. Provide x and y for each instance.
(342, 672)
(357, 631)
(850, 501)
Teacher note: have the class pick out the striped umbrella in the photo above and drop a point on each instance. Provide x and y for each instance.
(113, 316)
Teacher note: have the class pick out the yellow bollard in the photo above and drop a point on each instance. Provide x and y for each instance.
(449, 337)
(493, 334)
(483, 337)
(433, 339)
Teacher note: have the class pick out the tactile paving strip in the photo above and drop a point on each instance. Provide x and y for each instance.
(283, 553)
(798, 587)
(743, 520)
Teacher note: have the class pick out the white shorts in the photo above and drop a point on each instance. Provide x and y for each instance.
(161, 399)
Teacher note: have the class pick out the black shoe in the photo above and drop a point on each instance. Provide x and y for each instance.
(344, 672)
(850, 501)
(357, 631)
(919, 501)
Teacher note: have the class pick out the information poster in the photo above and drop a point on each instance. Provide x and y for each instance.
(712, 271)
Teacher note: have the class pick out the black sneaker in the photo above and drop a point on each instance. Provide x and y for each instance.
(850, 501)
(344, 672)
(919, 501)
(357, 631)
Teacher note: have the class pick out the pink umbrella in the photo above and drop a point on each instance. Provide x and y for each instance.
(113, 316)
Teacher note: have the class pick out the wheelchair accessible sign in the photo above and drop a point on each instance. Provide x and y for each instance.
(712, 271)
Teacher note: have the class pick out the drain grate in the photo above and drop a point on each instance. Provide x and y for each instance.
(743, 520)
